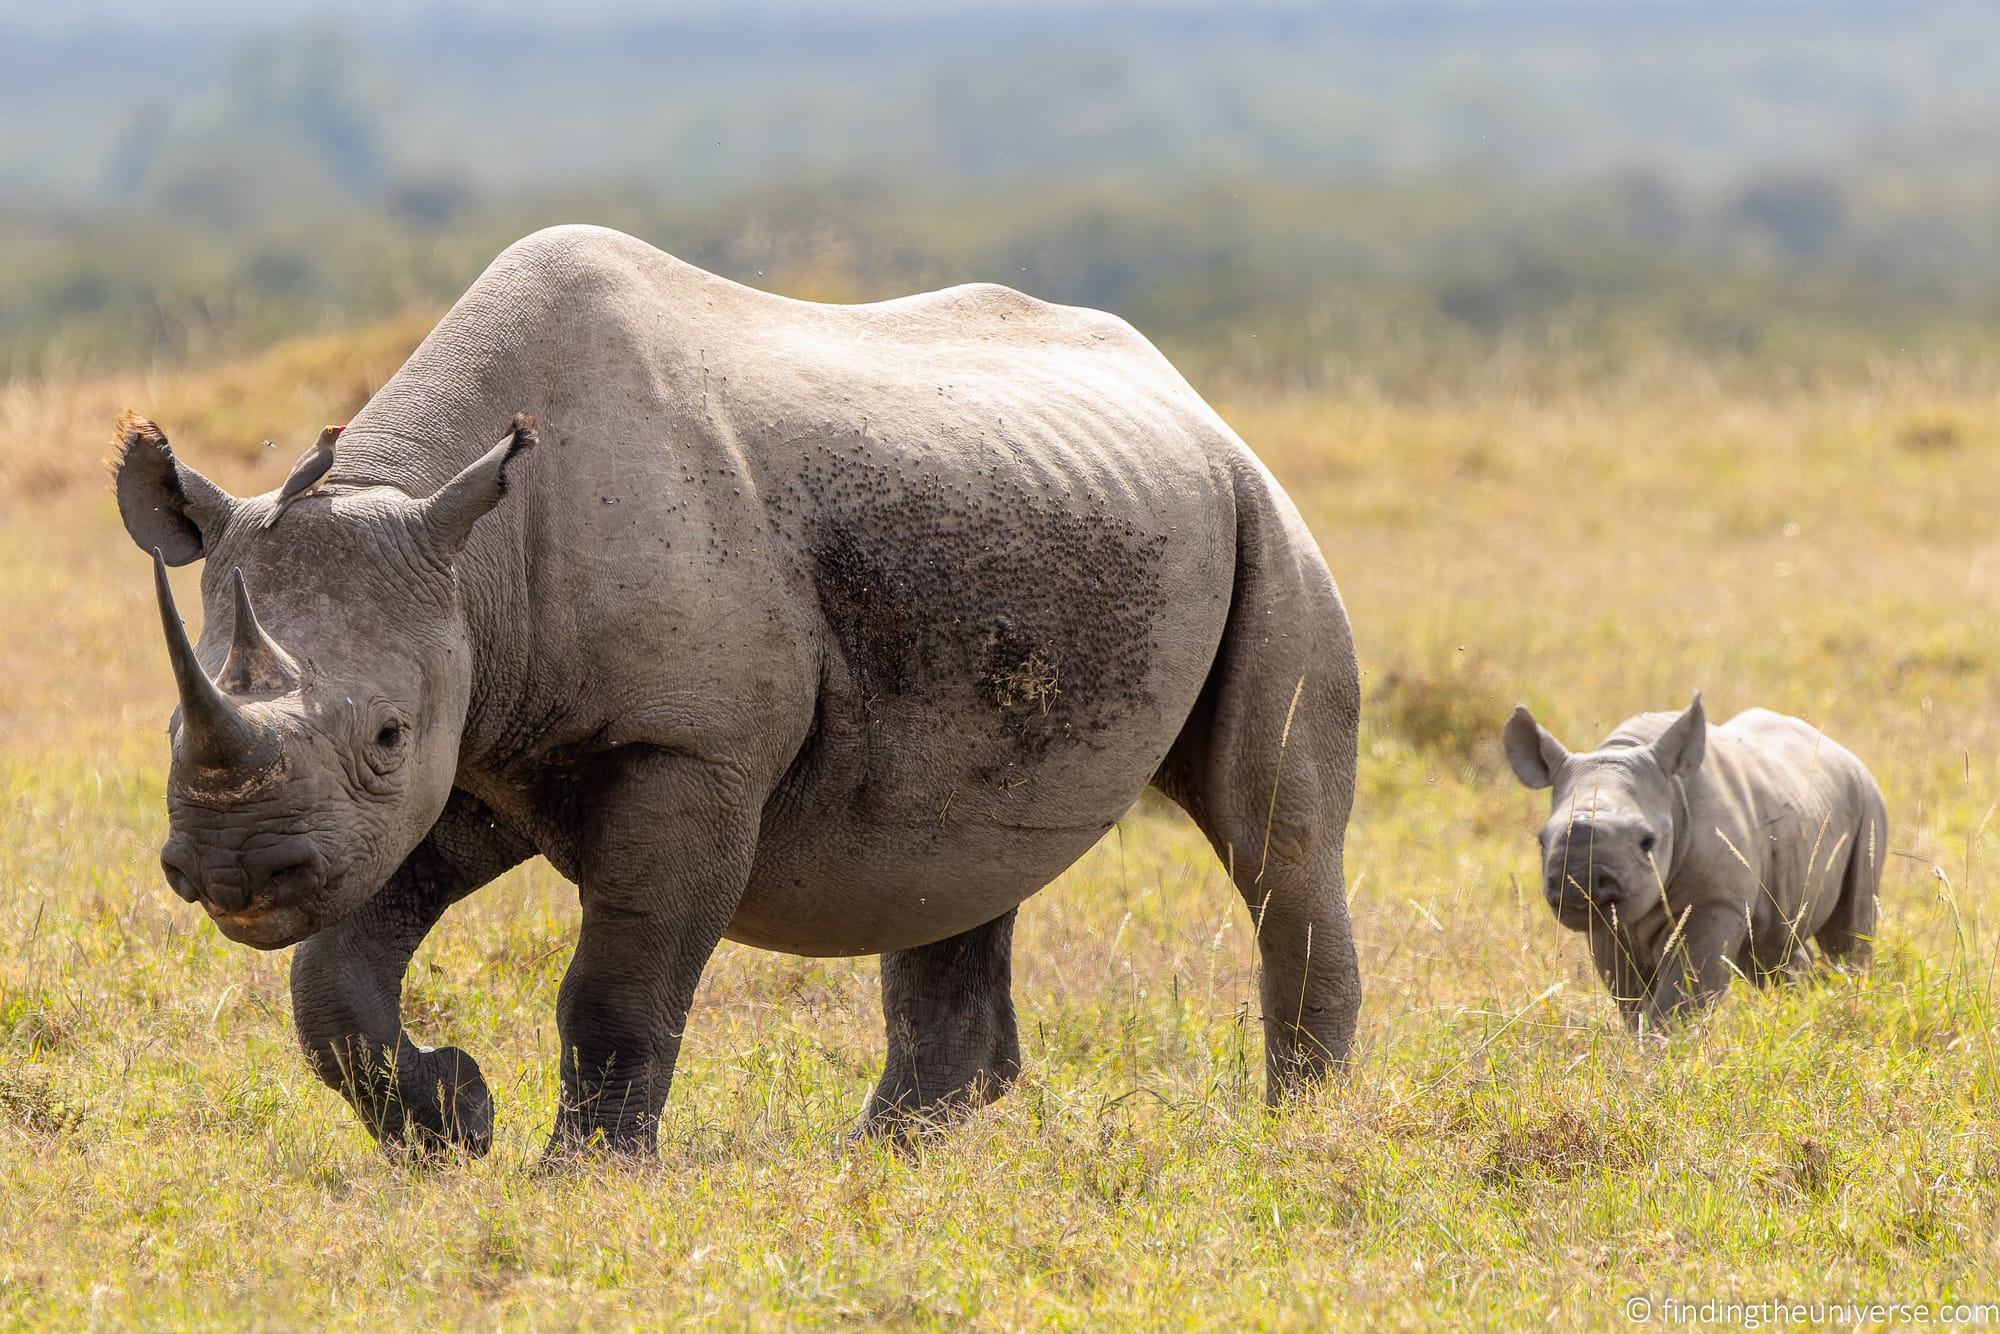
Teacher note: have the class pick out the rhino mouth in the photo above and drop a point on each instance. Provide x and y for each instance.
(263, 926)
(283, 915)
(1576, 912)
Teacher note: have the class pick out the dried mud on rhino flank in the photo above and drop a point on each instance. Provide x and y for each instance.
(1062, 596)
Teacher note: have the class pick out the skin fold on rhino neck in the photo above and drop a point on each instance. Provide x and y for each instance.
(429, 423)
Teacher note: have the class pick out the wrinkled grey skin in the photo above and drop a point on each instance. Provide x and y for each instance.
(1690, 854)
(831, 630)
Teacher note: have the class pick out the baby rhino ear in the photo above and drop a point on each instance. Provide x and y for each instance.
(1533, 753)
(1681, 746)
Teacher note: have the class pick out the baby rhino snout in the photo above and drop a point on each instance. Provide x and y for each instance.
(1596, 866)
(1573, 881)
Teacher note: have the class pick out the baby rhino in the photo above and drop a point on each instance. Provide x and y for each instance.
(1690, 854)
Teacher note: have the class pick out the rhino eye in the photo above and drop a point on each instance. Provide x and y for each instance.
(390, 736)
(1645, 843)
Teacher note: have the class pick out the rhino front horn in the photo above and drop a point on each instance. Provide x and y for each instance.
(216, 732)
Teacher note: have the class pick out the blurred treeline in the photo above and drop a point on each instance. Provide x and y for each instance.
(1395, 195)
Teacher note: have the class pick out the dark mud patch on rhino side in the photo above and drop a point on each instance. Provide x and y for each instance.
(1022, 681)
(868, 611)
(1020, 617)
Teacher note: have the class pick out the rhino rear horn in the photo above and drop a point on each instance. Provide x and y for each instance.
(256, 664)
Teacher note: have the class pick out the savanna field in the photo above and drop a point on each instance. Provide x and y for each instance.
(1503, 1150)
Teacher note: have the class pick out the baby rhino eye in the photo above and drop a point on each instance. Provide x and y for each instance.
(1645, 842)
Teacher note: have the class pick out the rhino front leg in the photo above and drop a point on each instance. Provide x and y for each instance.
(1698, 968)
(1626, 974)
(953, 1045)
(665, 860)
(347, 986)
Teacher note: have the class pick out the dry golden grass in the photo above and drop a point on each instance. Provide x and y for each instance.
(1502, 1152)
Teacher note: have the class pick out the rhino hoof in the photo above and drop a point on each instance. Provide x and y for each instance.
(446, 1108)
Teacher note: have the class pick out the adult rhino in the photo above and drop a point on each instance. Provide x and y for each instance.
(827, 629)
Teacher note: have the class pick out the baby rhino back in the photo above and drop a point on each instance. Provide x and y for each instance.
(1808, 817)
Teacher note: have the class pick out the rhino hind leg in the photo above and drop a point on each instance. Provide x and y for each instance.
(953, 1043)
(1309, 983)
(1848, 935)
(1265, 766)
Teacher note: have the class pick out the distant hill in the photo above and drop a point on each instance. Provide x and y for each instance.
(697, 97)
(1354, 184)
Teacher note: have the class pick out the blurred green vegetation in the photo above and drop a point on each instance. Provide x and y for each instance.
(1357, 195)
(1313, 286)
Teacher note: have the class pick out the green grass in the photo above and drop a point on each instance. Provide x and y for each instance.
(1503, 1151)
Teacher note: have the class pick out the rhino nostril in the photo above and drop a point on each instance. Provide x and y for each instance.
(1605, 884)
(283, 871)
(178, 878)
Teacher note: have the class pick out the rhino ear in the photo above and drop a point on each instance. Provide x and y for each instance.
(167, 506)
(1534, 754)
(1681, 746)
(449, 514)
